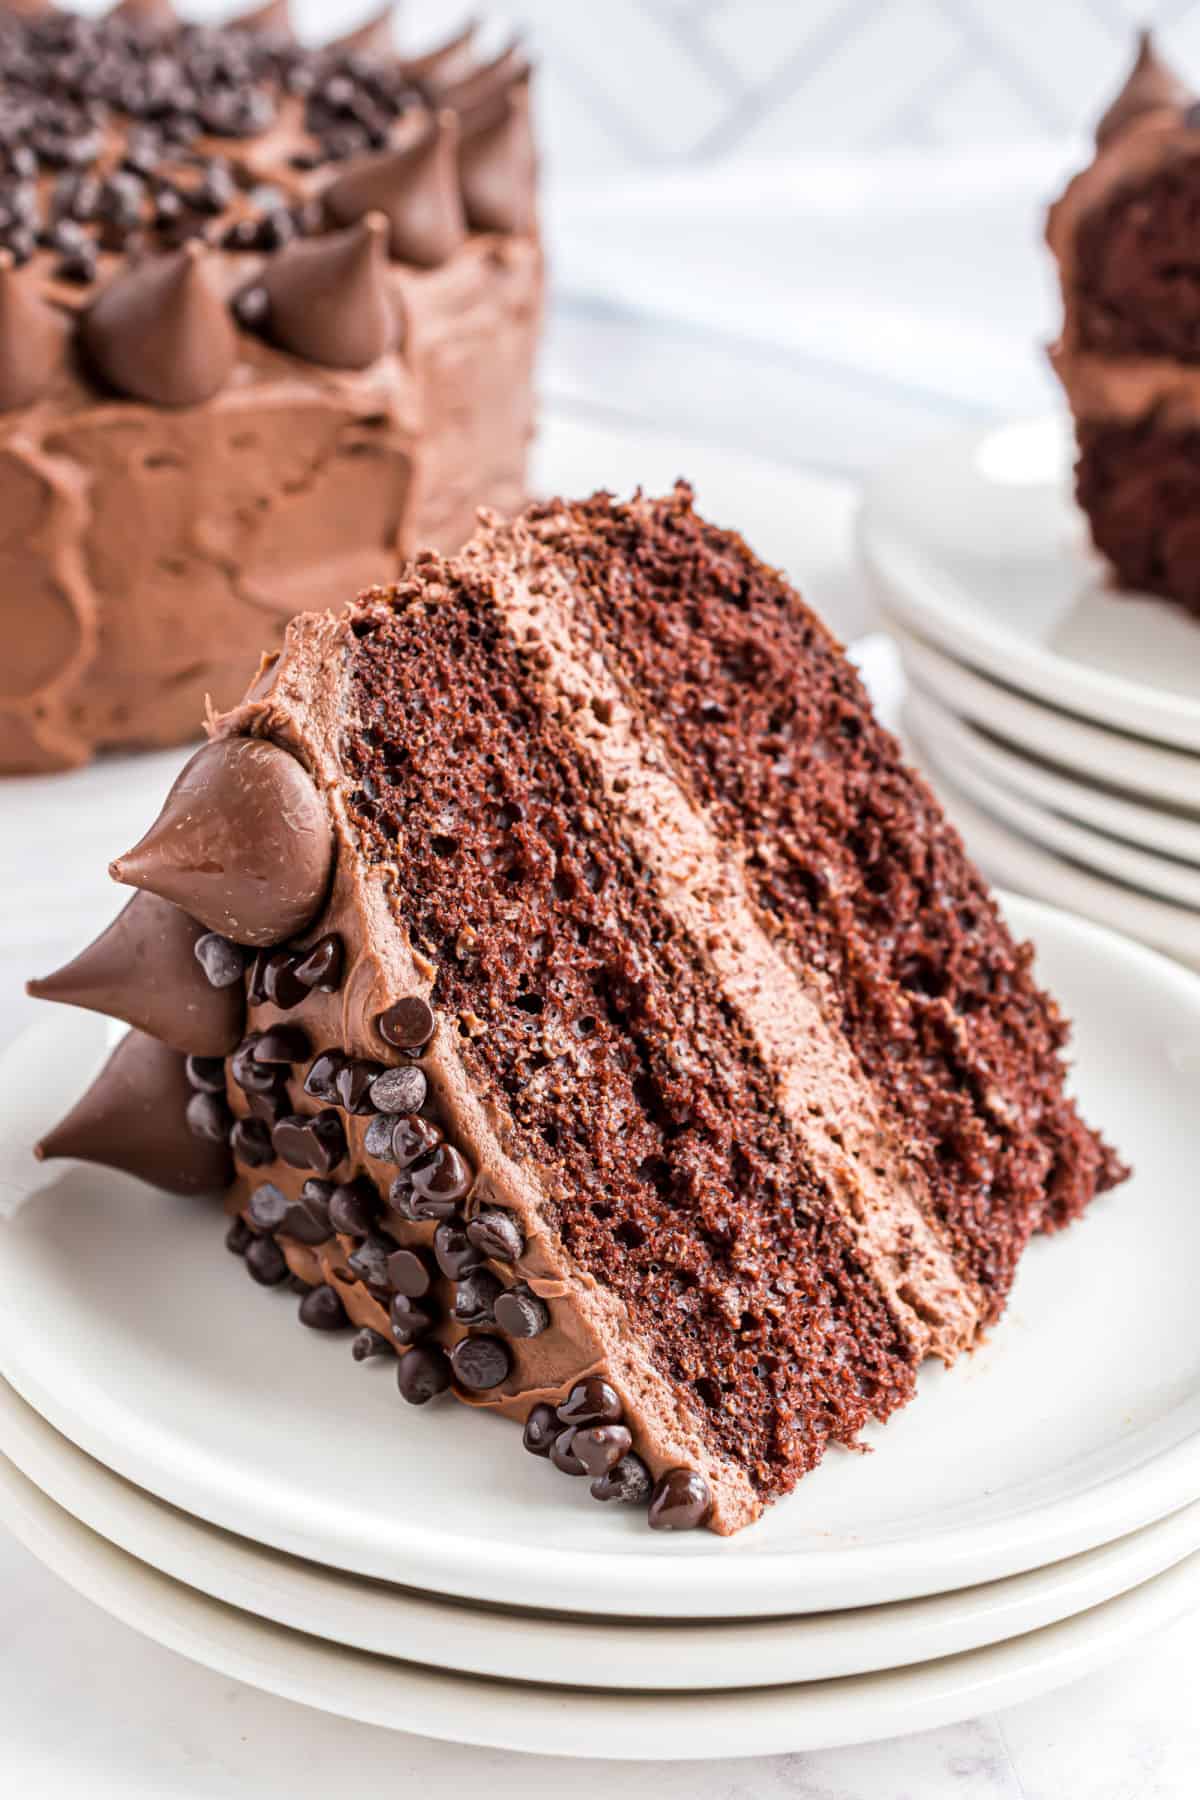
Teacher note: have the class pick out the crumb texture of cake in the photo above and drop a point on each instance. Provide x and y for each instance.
(268, 316)
(616, 1031)
(1124, 236)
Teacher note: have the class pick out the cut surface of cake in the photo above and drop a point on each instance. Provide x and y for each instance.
(583, 1001)
(267, 323)
(1124, 235)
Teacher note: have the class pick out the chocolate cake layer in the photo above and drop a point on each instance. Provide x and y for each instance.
(653, 1068)
(1139, 484)
(267, 324)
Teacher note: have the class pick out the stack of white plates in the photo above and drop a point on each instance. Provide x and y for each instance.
(1059, 718)
(174, 1445)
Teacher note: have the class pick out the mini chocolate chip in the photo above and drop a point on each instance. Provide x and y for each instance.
(399, 1090)
(541, 1428)
(368, 1343)
(475, 1298)
(323, 1311)
(456, 1255)
(251, 306)
(321, 1080)
(353, 1206)
(410, 1319)
(283, 1044)
(223, 963)
(271, 1106)
(308, 1219)
(318, 1143)
(629, 1482)
(408, 1025)
(251, 1144)
(412, 1137)
(80, 265)
(353, 1082)
(321, 965)
(275, 980)
(369, 1262)
(206, 1073)
(239, 1237)
(600, 1447)
(497, 1234)
(424, 1372)
(521, 1314)
(377, 1140)
(680, 1501)
(480, 1363)
(562, 1453)
(266, 1262)
(209, 1117)
(410, 1272)
(252, 1076)
(591, 1402)
(440, 1181)
(268, 1207)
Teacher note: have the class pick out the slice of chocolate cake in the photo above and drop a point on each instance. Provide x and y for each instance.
(612, 1025)
(1125, 237)
(267, 325)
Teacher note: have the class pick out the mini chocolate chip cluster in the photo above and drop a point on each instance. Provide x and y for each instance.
(125, 114)
(585, 1436)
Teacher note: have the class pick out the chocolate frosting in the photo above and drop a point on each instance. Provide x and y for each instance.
(445, 62)
(143, 969)
(243, 843)
(415, 188)
(374, 37)
(275, 16)
(328, 297)
(497, 166)
(149, 15)
(33, 338)
(132, 1118)
(1150, 85)
(475, 92)
(161, 332)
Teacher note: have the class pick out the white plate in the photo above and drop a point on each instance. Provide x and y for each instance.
(575, 1651)
(977, 544)
(961, 746)
(556, 1721)
(129, 1328)
(1126, 762)
(1158, 876)
(1009, 857)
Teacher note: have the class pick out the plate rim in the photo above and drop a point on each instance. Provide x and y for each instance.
(695, 1726)
(734, 1585)
(982, 641)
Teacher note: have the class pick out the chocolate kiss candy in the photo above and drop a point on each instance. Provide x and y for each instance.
(497, 166)
(161, 332)
(375, 37)
(133, 1118)
(33, 338)
(243, 843)
(143, 969)
(274, 18)
(415, 188)
(1150, 84)
(327, 296)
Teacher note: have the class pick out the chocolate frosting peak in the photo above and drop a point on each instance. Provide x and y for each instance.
(134, 1118)
(445, 62)
(243, 843)
(1150, 85)
(274, 17)
(497, 165)
(148, 15)
(328, 296)
(143, 969)
(161, 332)
(374, 37)
(415, 188)
(33, 338)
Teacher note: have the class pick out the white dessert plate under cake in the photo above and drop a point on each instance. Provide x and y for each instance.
(576, 1650)
(131, 1330)
(558, 1721)
(963, 748)
(1152, 771)
(1166, 878)
(976, 543)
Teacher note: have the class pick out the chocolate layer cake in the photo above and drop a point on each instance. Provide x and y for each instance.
(1126, 235)
(267, 321)
(581, 998)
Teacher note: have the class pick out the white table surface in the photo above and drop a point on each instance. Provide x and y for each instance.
(88, 1708)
